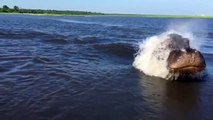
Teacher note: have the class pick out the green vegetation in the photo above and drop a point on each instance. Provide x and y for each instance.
(158, 16)
(175, 16)
(16, 10)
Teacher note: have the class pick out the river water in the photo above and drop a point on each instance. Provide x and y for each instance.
(80, 68)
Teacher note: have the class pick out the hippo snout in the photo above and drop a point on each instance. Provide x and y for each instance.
(187, 61)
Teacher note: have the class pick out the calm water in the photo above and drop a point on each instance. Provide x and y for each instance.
(80, 68)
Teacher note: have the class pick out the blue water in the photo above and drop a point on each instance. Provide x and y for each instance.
(80, 68)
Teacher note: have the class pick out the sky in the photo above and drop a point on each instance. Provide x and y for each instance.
(163, 7)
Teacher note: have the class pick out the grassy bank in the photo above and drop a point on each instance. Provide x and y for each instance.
(177, 16)
(115, 15)
(38, 12)
(128, 15)
(16, 10)
(158, 16)
(122, 15)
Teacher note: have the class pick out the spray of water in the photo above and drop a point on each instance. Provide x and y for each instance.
(152, 56)
(192, 29)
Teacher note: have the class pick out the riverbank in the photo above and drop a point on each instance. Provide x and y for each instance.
(123, 15)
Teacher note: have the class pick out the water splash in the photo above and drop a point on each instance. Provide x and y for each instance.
(153, 52)
(147, 62)
(194, 29)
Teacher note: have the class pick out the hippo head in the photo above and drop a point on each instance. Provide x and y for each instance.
(182, 58)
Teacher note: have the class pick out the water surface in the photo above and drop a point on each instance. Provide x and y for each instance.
(80, 68)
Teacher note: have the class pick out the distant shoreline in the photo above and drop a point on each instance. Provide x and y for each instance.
(40, 12)
(116, 15)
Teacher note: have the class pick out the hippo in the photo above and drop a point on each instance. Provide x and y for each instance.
(183, 59)
(169, 56)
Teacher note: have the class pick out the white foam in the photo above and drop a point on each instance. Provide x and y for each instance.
(153, 53)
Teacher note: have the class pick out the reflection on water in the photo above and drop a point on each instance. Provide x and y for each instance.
(182, 99)
(173, 98)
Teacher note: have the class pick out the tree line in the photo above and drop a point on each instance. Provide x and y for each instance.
(16, 9)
